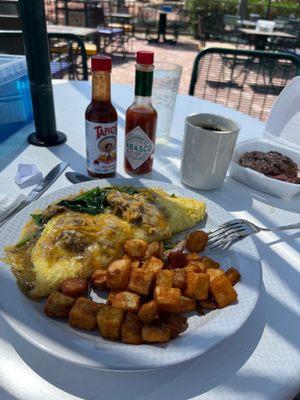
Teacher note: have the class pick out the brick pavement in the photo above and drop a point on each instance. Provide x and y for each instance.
(256, 102)
(183, 53)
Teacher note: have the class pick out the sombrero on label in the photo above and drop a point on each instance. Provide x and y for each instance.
(105, 141)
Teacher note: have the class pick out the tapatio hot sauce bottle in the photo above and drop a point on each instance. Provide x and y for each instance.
(101, 122)
(141, 118)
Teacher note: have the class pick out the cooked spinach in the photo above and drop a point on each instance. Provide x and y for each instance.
(28, 238)
(169, 245)
(128, 190)
(91, 202)
(39, 219)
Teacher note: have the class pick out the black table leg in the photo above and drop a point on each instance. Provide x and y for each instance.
(260, 42)
(162, 26)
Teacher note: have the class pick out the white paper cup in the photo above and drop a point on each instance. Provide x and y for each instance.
(206, 154)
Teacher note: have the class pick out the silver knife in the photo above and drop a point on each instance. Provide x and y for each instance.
(77, 177)
(37, 191)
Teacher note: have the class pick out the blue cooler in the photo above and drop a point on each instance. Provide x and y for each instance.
(15, 99)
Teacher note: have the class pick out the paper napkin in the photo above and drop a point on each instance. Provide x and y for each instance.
(8, 203)
(28, 175)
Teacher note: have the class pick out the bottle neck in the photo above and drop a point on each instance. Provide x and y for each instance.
(100, 86)
(142, 100)
(143, 81)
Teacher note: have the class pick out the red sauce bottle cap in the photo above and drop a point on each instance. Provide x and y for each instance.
(101, 63)
(145, 57)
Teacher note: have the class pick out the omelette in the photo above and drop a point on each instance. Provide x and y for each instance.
(72, 238)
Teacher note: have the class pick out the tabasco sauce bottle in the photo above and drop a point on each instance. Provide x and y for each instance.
(141, 118)
(101, 122)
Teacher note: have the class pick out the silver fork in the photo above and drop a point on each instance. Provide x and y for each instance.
(225, 235)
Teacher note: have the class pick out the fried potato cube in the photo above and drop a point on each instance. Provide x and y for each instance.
(177, 323)
(141, 281)
(187, 304)
(148, 312)
(167, 297)
(126, 257)
(210, 263)
(233, 275)
(193, 257)
(164, 278)
(135, 264)
(83, 314)
(74, 287)
(110, 296)
(58, 305)
(99, 279)
(118, 274)
(222, 291)
(214, 272)
(197, 285)
(131, 330)
(153, 264)
(208, 304)
(136, 247)
(155, 249)
(126, 301)
(177, 259)
(196, 266)
(179, 278)
(192, 267)
(110, 320)
(196, 241)
(156, 333)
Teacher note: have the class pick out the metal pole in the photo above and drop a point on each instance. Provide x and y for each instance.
(268, 9)
(33, 19)
(243, 9)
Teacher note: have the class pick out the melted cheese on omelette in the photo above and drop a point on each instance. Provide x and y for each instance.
(73, 244)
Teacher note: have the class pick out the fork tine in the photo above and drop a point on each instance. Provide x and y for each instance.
(224, 230)
(226, 237)
(232, 239)
(223, 226)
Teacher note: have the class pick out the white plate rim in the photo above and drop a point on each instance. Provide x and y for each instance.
(52, 347)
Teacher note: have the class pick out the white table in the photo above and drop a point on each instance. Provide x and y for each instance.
(260, 362)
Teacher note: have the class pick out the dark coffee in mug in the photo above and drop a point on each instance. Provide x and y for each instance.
(211, 127)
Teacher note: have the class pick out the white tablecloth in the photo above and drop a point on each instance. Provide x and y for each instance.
(260, 362)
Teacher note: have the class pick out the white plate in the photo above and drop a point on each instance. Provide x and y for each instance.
(89, 349)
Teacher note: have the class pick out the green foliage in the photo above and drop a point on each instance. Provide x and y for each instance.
(284, 8)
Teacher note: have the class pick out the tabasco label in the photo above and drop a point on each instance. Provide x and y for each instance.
(139, 147)
(101, 146)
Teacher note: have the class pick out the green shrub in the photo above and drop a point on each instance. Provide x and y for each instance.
(279, 8)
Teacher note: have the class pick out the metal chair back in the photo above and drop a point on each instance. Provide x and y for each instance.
(248, 81)
(9, 7)
(68, 57)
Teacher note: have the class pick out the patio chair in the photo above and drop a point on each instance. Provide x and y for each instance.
(290, 45)
(232, 23)
(13, 44)
(110, 39)
(68, 56)
(67, 53)
(248, 81)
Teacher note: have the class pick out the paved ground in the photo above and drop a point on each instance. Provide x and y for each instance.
(183, 53)
(250, 88)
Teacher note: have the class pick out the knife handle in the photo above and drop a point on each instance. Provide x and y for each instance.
(13, 212)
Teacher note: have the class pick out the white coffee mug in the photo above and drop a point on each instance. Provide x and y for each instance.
(207, 149)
